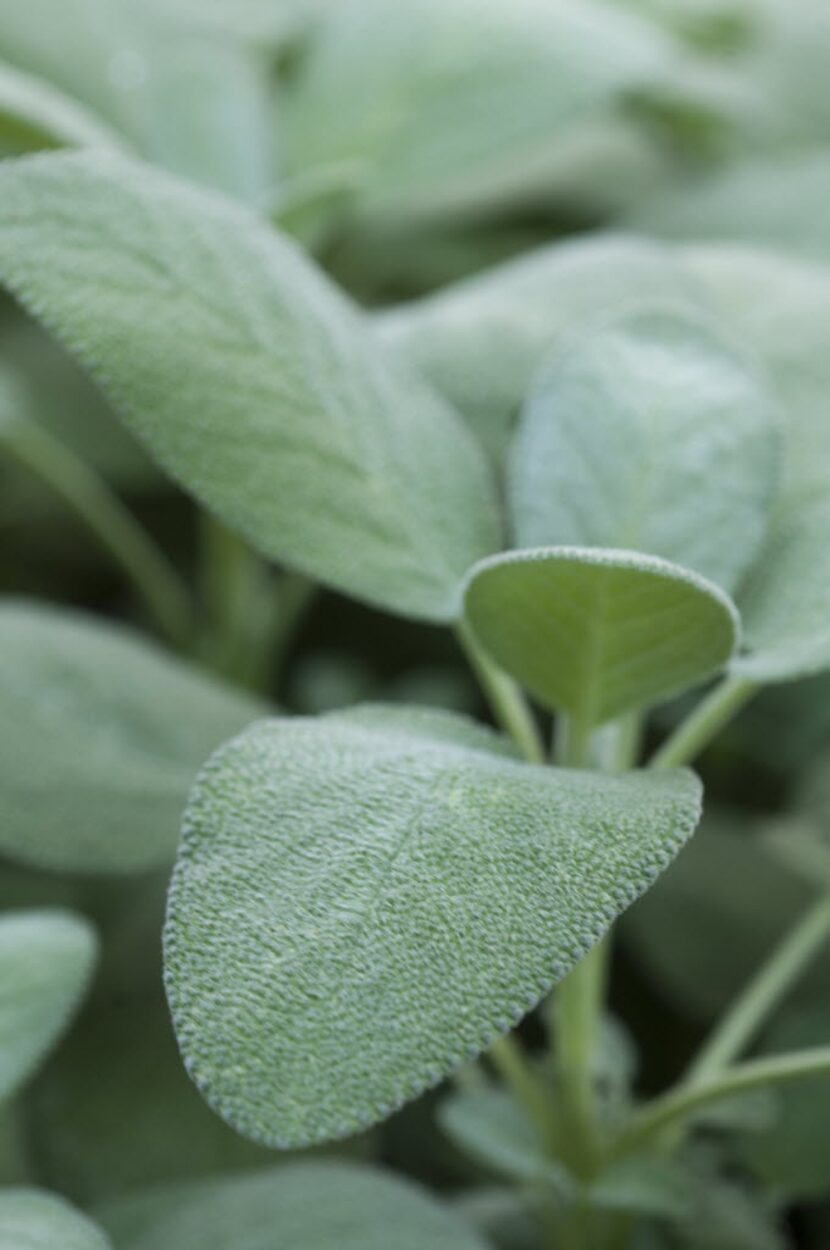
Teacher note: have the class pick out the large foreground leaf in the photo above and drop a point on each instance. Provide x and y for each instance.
(46, 960)
(597, 633)
(250, 378)
(359, 908)
(648, 431)
(304, 1207)
(31, 1219)
(102, 736)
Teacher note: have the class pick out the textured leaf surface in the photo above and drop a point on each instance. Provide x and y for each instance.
(437, 103)
(357, 910)
(596, 633)
(46, 960)
(250, 378)
(102, 736)
(648, 432)
(301, 1207)
(31, 1219)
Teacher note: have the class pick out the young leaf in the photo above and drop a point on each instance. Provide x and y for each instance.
(250, 378)
(46, 960)
(598, 633)
(33, 114)
(306, 1206)
(31, 1219)
(361, 900)
(488, 1125)
(648, 432)
(102, 736)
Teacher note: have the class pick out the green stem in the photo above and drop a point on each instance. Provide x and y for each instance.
(680, 1103)
(509, 1059)
(116, 529)
(762, 995)
(577, 1010)
(704, 723)
(506, 700)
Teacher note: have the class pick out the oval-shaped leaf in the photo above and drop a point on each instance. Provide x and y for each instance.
(304, 1206)
(46, 960)
(102, 736)
(358, 909)
(250, 378)
(598, 633)
(31, 1219)
(648, 432)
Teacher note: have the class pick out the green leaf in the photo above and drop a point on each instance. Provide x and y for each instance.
(33, 114)
(643, 1185)
(250, 378)
(489, 1125)
(304, 1206)
(597, 633)
(648, 432)
(443, 109)
(46, 960)
(103, 734)
(31, 1219)
(363, 900)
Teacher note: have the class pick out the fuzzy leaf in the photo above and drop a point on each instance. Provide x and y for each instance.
(598, 633)
(33, 114)
(361, 900)
(103, 734)
(648, 432)
(46, 960)
(304, 1206)
(250, 378)
(437, 106)
(31, 1219)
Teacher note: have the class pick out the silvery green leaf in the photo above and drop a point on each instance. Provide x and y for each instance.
(34, 114)
(31, 1219)
(46, 961)
(490, 1127)
(648, 431)
(102, 736)
(307, 1206)
(359, 898)
(250, 377)
(643, 1185)
(444, 103)
(597, 633)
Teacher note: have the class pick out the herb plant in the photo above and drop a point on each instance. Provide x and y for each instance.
(579, 499)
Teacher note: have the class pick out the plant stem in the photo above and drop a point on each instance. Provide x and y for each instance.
(577, 1009)
(127, 542)
(762, 995)
(704, 723)
(506, 700)
(509, 1059)
(681, 1102)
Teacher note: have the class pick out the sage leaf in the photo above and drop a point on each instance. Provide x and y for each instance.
(438, 108)
(648, 432)
(250, 378)
(103, 734)
(31, 1219)
(307, 1206)
(33, 114)
(357, 899)
(490, 1127)
(46, 960)
(597, 633)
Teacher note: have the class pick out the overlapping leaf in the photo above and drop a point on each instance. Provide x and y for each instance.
(31, 1219)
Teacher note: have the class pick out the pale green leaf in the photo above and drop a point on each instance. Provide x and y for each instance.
(250, 378)
(46, 960)
(489, 1125)
(596, 633)
(643, 1185)
(34, 114)
(102, 736)
(648, 432)
(363, 900)
(304, 1207)
(31, 1219)
(445, 104)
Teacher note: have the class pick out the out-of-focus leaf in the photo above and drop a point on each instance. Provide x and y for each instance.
(304, 1206)
(33, 114)
(46, 960)
(31, 1219)
(596, 633)
(648, 432)
(251, 378)
(103, 734)
(383, 899)
(490, 1127)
